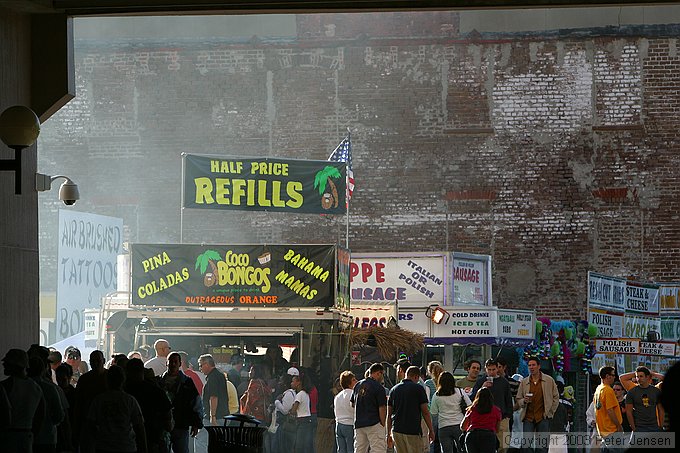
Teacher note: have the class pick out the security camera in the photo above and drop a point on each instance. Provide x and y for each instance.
(68, 192)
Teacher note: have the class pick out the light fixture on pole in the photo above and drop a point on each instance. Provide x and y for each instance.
(437, 314)
(19, 129)
(68, 191)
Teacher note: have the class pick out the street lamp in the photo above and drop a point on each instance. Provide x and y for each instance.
(19, 129)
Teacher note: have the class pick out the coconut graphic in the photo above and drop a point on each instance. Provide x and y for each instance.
(327, 201)
(209, 279)
(208, 258)
(325, 177)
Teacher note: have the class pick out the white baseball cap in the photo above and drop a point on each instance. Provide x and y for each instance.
(293, 371)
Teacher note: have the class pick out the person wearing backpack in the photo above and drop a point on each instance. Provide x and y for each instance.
(449, 403)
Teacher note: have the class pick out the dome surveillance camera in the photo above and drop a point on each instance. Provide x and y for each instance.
(68, 193)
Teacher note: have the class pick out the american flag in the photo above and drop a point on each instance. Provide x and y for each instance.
(343, 153)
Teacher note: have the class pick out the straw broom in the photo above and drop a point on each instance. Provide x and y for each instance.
(390, 341)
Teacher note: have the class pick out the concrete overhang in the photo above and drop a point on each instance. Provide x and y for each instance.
(163, 7)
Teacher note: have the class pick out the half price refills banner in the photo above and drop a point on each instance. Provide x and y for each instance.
(264, 184)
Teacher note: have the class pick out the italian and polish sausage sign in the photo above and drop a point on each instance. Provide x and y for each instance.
(409, 280)
(264, 184)
(233, 275)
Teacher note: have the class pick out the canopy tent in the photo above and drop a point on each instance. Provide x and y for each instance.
(77, 340)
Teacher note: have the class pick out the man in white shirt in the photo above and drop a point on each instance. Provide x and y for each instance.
(159, 363)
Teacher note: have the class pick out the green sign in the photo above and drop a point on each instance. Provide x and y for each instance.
(264, 184)
(184, 275)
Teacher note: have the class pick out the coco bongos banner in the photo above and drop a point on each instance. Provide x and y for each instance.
(186, 275)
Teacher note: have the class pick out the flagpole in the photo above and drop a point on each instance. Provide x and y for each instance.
(181, 203)
(349, 139)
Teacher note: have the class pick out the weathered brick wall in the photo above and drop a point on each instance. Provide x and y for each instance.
(555, 155)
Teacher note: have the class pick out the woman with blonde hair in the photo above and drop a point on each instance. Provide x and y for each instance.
(434, 369)
(449, 404)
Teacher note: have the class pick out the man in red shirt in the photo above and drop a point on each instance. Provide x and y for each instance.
(191, 373)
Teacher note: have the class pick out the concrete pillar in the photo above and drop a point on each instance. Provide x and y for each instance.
(36, 70)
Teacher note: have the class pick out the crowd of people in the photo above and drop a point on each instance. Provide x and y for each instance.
(135, 403)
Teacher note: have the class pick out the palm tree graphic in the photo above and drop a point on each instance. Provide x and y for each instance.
(203, 260)
(323, 178)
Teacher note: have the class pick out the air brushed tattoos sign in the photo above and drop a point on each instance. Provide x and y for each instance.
(87, 257)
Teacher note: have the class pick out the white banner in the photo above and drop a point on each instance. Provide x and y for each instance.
(606, 292)
(415, 320)
(410, 280)
(468, 323)
(669, 295)
(87, 256)
(369, 315)
(516, 324)
(657, 348)
(642, 298)
(469, 281)
(92, 331)
(617, 345)
(634, 346)
(637, 326)
(609, 323)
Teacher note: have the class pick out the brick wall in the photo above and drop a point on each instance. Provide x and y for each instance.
(555, 155)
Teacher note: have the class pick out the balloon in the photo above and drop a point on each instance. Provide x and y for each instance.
(555, 349)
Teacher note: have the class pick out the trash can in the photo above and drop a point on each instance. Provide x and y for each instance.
(237, 439)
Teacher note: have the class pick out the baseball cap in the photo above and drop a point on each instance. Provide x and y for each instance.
(72, 353)
(292, 371)
(402, 363)
(517, 377)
